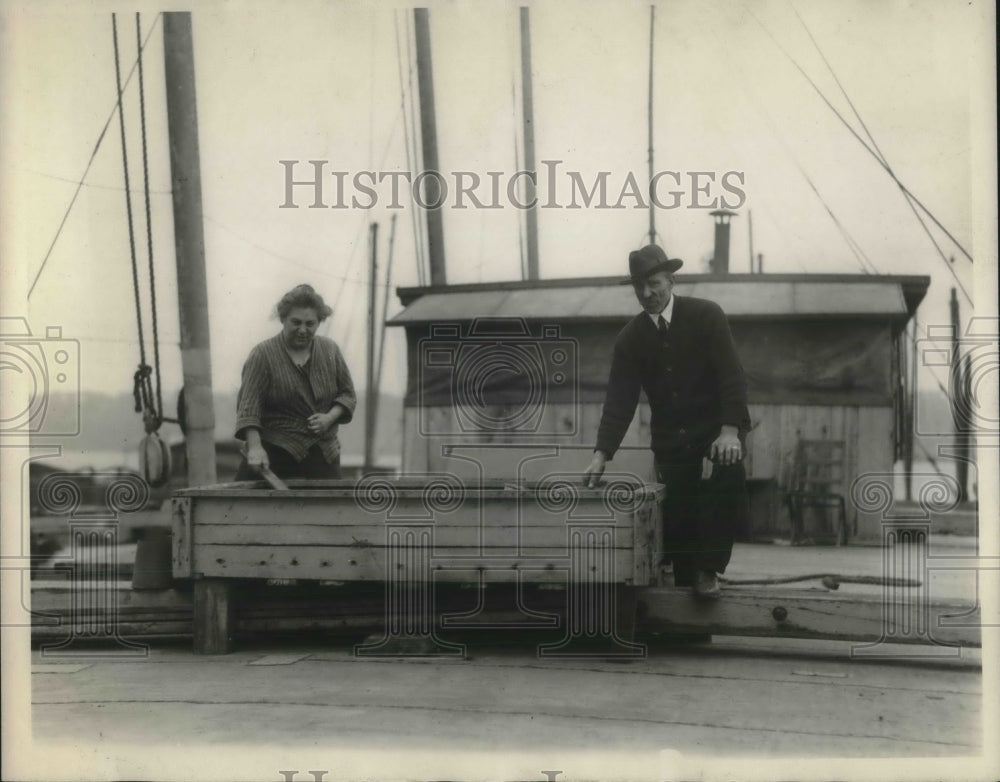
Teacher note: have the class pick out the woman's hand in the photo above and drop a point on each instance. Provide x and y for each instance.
(254, 451)
(257, 457)
(320, 423)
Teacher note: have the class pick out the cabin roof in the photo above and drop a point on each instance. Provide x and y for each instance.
(763, 296)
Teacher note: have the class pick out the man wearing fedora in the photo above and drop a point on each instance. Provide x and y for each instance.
(680, 352)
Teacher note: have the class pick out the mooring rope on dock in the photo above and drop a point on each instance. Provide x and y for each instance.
(830, 580)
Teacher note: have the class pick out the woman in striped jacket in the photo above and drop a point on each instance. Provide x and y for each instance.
(296, 392)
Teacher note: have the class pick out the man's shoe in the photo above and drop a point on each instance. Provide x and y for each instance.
(706, 585)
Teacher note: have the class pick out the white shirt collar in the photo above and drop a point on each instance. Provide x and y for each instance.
(668, 313)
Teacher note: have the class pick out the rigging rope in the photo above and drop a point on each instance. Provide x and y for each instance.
(881, 156)
(406, 139)
(158, 410)
(868, 148)
(830, 580)
(150, 405)
(141, 387)
(79, 183)
(859, 254)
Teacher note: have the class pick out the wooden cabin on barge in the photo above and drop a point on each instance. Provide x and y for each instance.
(511, 369)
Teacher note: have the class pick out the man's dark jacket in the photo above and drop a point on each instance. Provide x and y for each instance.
(692, 377)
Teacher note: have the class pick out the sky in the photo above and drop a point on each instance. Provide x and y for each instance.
(322, 81)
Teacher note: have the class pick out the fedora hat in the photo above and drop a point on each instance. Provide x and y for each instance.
(650, 259)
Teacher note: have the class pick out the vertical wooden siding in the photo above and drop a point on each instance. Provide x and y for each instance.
(570, 431)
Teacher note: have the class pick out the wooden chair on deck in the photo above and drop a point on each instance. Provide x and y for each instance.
(818, 481)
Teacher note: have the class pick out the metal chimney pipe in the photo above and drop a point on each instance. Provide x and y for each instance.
(720, 258)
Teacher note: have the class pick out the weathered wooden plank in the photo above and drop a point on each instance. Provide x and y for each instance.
(647, 545)
(182, 538)
(143, 628)
(875, 456)
(741, 610)
(415, 448)
(213, 613)
(492, 504)
(448, 534)
(471, 513)
(573, 430)
(370, 563)
(794, 613)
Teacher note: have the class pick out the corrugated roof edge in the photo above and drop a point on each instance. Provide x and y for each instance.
(914, 286)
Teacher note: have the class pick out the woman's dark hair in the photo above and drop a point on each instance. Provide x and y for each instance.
(303, 296)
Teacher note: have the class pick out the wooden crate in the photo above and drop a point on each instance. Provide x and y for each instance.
(418, 530)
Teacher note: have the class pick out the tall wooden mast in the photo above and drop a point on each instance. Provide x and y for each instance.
(528, 109)
(428, 134)
(189, 241)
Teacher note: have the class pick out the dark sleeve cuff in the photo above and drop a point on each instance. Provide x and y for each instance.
(348, 402)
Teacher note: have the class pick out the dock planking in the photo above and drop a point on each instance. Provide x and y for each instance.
(775, 612)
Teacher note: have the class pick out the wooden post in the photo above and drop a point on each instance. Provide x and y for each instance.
(959, 405)
(965, 431)
(371, 392)
(649, 112)
(527, 104)
(909, 420)
(385, 301)
(428, 133)
(189, 241)
(213, 613)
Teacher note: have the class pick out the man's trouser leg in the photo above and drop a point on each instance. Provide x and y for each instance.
(700, 517)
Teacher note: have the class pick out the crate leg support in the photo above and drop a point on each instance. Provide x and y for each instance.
(213, 615)
(595, 604)
(409, 604)
(626, 606)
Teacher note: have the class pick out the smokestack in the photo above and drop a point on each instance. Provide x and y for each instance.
(720, 259)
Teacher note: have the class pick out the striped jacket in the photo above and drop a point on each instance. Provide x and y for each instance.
(277, 397)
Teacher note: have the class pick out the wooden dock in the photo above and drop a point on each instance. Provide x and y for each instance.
(764, 611)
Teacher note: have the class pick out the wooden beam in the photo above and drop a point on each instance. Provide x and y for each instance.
(803, 613)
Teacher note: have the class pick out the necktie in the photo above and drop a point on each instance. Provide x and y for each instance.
(661, 324)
